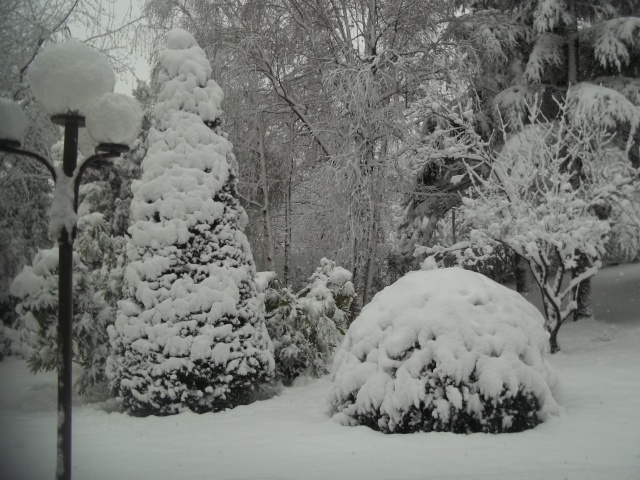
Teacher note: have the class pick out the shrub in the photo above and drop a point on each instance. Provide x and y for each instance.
(624, 238)
(36, 289)
(444, 350)
(307, 327)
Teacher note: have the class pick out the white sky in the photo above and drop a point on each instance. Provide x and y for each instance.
(125, 82)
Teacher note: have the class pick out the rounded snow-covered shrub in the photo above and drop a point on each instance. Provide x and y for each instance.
(445, 350)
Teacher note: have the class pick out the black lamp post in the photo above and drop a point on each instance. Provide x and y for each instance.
(67, 178)
(65, 277)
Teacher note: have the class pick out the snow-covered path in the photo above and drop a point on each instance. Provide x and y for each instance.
(597, 437)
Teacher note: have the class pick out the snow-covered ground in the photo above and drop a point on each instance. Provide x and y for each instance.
(596, 437)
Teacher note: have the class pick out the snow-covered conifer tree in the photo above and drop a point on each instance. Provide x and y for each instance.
(191, 334)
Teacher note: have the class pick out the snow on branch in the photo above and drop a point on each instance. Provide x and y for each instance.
(541, 201)
(491, 31)
(627, 86)
(548, 50)
(550, 14)
(614, 39)
(512, 103)
(601, 106)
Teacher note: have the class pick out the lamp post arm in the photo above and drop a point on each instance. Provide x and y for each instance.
(86, 164)
(27, 153)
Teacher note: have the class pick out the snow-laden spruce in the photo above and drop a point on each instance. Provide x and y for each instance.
(445, 350)
(191, 334)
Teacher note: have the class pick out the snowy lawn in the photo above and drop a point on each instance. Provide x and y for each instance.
(597, 436)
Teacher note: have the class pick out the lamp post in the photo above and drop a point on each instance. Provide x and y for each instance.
(72, 82)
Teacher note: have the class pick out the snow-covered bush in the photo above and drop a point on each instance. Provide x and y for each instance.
(624, 238)
(307, 327)
(445, 350)
(293, 351)
(190, 333)
(36, 288)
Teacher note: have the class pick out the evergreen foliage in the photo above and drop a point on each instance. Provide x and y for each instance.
(532, 204)
(190, 333)
(307, 327)
(36, 289)
(25, 197)
(444, 350)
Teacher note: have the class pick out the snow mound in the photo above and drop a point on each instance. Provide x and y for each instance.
(445, 350)
(263, 280)
(67, 76)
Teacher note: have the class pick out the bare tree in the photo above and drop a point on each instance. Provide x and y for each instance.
(344, 70)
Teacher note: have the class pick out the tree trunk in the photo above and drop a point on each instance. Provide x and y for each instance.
(553, 342)
(372, 251)
(453, 226)
(287, 225)
(583, 299)
(266, 213)
(375, 195)
(572, 46)
(584, 309)
(552, 321)
(356, 305)
(520, 268)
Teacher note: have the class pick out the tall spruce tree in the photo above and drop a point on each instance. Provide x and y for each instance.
(191, 334)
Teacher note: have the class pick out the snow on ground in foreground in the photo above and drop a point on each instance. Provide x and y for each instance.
(596, 437)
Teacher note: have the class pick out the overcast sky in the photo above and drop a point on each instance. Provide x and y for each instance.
(125, 82)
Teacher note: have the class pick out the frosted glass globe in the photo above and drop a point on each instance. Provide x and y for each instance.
(66, 77)
(114, 118)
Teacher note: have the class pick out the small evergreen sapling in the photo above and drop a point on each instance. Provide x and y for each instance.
(307, 327)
